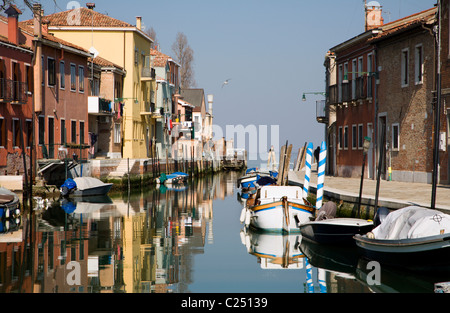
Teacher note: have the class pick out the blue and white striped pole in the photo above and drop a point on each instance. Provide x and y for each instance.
(321, 274)
(308, 162)
(321, 174)
(309, 280)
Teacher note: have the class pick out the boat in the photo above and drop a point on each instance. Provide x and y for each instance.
(329, 229)
(85, 205)
(84, 186)
(10, 218)
(255, 178)
(277, 208)
(176, 178)
(412, 238)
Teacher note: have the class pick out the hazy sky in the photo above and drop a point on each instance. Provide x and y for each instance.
(273, 51)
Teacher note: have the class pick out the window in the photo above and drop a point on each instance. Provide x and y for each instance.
(395, 137)
(370, 76)
(354, 137)
(63, 131)
(30, 79)
(62, 75)
(419, 64)
(354, 75)
(41, 130)
(73, 77)
(340, 78)
(340, 142)
(51, 72)
(360, 136)
(345, 137)
(117, 133)
(2, 132)
(81, 78)
(136, 56)
(16, 132)
(73, 131)
(404, 67)
(81, 132)
(29, 130)
(43, 70)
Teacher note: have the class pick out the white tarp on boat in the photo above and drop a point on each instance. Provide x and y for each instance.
(275, 193)
(84, 183)
(413, 222)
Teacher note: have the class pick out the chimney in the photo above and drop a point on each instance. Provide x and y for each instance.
(37, 13)
(13, 24)
(138, 22)
(373, 15)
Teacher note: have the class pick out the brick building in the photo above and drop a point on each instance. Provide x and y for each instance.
(16, 104)
(406, 58)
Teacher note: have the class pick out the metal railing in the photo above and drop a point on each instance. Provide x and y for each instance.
(63, 151)
(13, 91)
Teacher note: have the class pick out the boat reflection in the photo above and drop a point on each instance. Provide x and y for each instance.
(274, 250)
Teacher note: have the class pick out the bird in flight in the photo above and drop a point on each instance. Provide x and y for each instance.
(226, 82)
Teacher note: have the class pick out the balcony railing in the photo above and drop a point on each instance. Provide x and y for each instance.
(99, 106)
(148, 73)
(13, 91)
(321, 113)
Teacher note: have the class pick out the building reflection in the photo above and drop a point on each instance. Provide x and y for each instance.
(138, 243)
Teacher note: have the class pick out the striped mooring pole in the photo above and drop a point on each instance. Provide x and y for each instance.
(308, 162)
(321, 174)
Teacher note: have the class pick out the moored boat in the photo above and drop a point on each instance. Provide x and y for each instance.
(329, 229)
(414, 238)
(277, 208)
(176, 178)
(84, 186)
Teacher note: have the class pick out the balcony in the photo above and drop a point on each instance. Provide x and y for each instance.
(321, 112)
(148, 73)
(13, 91)
(99, 106)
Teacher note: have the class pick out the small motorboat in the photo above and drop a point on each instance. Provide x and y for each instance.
(176, 178)
(84, 186)
(277, 208)
(329, 229)
(10, 214)
(413, 238)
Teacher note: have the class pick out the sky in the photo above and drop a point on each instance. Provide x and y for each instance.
(273, 52)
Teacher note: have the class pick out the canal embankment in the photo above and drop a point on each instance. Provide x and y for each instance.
(392, 194)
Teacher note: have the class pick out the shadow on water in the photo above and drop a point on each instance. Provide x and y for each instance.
(162, 240)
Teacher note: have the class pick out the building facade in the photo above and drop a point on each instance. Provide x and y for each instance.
(127, 46)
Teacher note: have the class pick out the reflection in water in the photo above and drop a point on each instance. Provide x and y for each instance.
(163, 241)
(132, 244)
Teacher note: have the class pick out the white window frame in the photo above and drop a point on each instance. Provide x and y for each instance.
(418, 64)
(117, 133)
(405, 67)
(396, 125)
(73, 65)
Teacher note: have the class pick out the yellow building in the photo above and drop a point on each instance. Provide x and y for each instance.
(127, 46)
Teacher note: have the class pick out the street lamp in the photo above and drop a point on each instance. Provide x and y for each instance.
(366, 146)
(313, 93)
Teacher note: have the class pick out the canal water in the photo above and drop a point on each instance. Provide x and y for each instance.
(181, 240)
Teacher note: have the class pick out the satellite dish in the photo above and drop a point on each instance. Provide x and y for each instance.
(94, 51)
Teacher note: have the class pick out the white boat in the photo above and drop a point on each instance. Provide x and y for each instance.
(412, 238)
(277, 208)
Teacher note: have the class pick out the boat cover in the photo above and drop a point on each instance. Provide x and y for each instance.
(84, 183)
(412, 222)
(327, 211)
